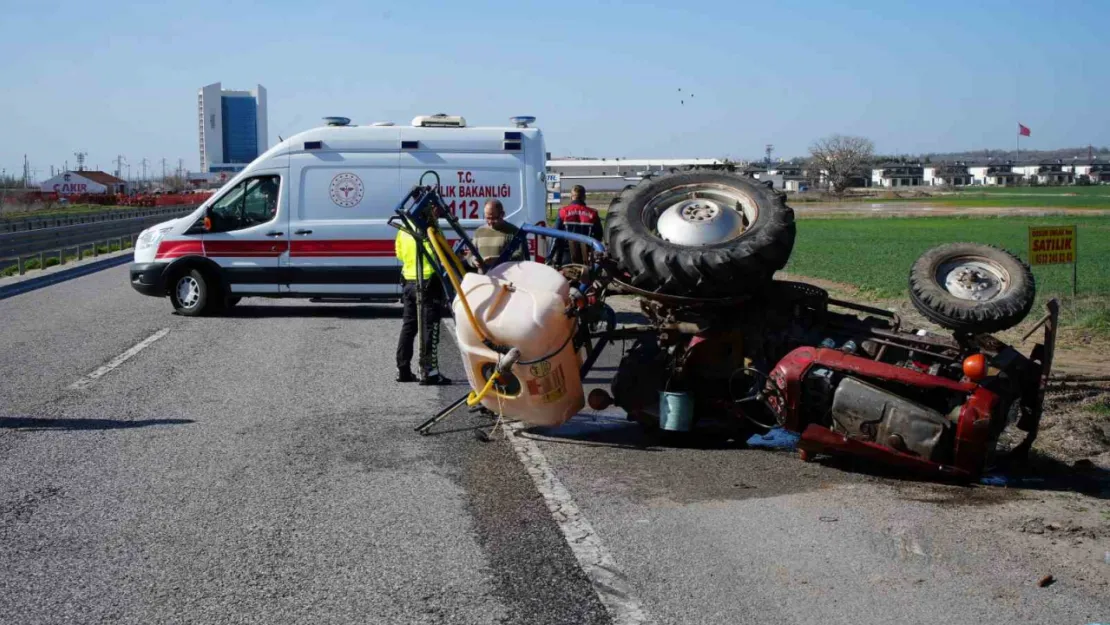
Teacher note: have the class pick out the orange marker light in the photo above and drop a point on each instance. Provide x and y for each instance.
(975, 367)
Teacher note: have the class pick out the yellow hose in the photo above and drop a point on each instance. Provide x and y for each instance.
(454, 257)
(472, 399)
(448, 268)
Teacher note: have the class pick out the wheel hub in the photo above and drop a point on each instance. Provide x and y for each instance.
(699, 221)
(188, 291)
(973, 280)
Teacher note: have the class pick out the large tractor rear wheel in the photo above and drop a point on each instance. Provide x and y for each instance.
(700, 233)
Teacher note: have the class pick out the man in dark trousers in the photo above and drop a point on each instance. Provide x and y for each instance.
(578, 218)
(405, 247)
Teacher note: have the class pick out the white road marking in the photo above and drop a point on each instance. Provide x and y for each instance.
(609, 582)
(103, 370)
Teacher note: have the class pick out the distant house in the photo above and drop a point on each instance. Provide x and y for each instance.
(897, 175)
(994, 174)
(860, 179)
(785, 177)
(1096, 171)
(754, 171)
(947, 175)
(84, 182)
(1054, 173)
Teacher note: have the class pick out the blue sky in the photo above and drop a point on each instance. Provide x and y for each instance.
(602, 77)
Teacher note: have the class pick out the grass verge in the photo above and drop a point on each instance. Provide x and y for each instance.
(875, 255)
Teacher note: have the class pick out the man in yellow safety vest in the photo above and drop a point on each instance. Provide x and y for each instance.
(405, 247)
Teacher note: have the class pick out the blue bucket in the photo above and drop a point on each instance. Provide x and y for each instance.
(676, 411)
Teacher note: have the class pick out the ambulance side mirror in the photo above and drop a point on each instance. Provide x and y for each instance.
(208, 219)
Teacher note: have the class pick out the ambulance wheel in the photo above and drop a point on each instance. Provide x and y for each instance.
(189, 293)
(700, 233)
(972, 288)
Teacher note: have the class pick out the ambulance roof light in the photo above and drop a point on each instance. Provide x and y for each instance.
(522, 121)
(338, 121)
(441, 120)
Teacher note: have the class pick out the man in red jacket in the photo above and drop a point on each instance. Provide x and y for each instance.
(578, 218)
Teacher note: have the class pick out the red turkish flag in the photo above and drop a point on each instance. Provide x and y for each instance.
(1023, 131)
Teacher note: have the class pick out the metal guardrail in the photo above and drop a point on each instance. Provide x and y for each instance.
(79, 253)
(56, 221)
(17, 248)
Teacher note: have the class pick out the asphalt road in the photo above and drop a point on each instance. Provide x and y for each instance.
(261, 468)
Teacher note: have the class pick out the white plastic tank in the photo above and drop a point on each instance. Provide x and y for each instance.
(523, 305)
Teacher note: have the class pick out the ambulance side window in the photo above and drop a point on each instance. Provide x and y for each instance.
(251, 202)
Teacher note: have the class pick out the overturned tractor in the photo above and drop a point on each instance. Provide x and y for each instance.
(723, 342)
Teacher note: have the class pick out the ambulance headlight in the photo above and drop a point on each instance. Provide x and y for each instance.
(150, 238)
(144, 240)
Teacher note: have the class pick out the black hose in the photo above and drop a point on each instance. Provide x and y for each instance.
(552, 354)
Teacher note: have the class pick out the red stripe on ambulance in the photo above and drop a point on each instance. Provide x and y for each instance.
(254, 249)
(374, 248)
(177, 249)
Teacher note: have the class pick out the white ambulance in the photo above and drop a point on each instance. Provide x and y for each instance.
(307, 219)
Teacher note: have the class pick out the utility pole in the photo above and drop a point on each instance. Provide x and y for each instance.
(163, 171)
(26, 171)
(144, 164)
(80, 160)
(770, 150)
(119, 165)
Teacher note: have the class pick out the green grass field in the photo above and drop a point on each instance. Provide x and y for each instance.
(1091, 197)
(1022, 199)
(1030, 197)
(1094, 190)
(66, 211)
(876, 254)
